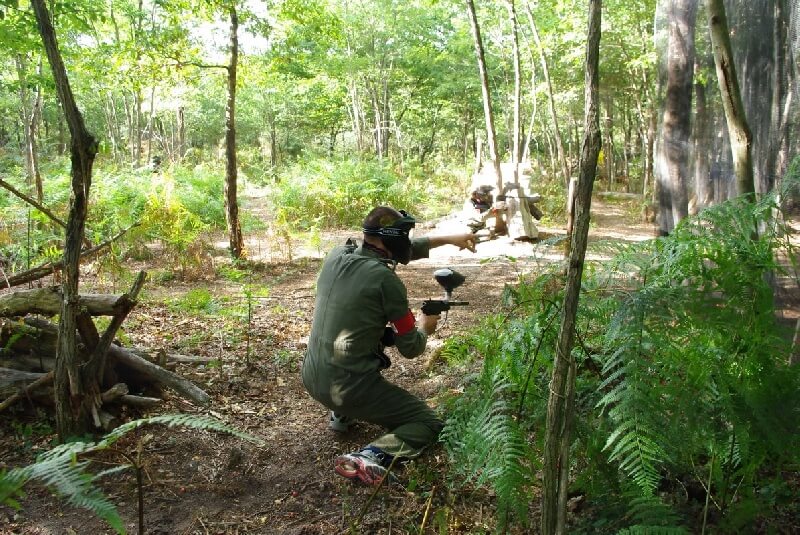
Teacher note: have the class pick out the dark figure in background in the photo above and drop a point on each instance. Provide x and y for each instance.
(482, 198)
(155, 163)
(358, 296)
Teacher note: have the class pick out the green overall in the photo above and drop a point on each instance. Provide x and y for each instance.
(358, 293)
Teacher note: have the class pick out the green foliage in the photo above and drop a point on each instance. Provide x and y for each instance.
(323, 193)
(683, 376)
(487, 446)
(196, 300)
(61, 470)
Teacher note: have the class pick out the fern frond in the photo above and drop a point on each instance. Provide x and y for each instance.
(60, 470)
(487, 447)
(653, 530)
(192, 421)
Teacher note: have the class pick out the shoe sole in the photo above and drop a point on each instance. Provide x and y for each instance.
(357, 469)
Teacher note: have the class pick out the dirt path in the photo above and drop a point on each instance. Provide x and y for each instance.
(205, 483)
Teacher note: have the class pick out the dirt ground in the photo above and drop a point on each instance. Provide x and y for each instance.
(201, 483)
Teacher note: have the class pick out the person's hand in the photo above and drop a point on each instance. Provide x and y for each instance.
(465, 241)
(427, 324)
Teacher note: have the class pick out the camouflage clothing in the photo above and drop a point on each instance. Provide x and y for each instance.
(358, 293)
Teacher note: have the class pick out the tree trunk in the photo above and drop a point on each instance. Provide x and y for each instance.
(608, 139)
(677, 114)
(29, 114)
(150, 125)
(526, 152)
(560, 405)
(180, 150)
(231, 202)
(738, 129)
(516, 137)
(562, 160)
(71, 386)
(491, 137)
(703, 186)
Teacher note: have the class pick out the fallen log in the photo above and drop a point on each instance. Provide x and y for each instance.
(182, 386)
(113, 393)
(11, 377)
(41, 381)
(140, 402)
(36, 334)
(47, 301)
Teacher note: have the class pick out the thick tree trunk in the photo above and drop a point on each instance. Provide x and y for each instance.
(231, 202)
(71, 387)
(487, 97)
(560, 405)
(738, 129)
(675, 143)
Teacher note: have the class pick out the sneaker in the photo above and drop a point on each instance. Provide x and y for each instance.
(339, 423)
(364, 466)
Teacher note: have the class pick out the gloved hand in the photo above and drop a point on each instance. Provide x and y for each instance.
(388, 337)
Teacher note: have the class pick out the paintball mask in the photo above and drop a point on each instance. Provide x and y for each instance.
(395, 236)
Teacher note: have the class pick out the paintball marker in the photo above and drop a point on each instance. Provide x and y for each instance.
(449, 280)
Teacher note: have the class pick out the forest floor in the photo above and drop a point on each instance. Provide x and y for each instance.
(201, 483)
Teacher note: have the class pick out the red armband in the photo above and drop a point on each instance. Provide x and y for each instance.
(405, 324)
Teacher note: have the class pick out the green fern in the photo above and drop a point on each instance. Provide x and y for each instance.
(691, 351)
(60, 470)
(487, 447)
(652, 530)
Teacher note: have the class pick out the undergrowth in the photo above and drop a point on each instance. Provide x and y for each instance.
(68, 470)
(687, 408)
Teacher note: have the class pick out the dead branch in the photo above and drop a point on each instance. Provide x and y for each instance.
(97, 360)
(41, 381)
(39, 335)
(11, 376)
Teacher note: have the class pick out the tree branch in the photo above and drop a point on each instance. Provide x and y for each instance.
(50, 267)
(33, 202)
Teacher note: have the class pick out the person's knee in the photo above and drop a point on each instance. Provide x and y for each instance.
(435, 426)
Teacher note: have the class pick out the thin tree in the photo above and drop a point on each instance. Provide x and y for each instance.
(73, 393)
(562, 159)
(517, 134)
(561, 402)
(491, 137)
(738, 129)
(30, 114)
(231, 175)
